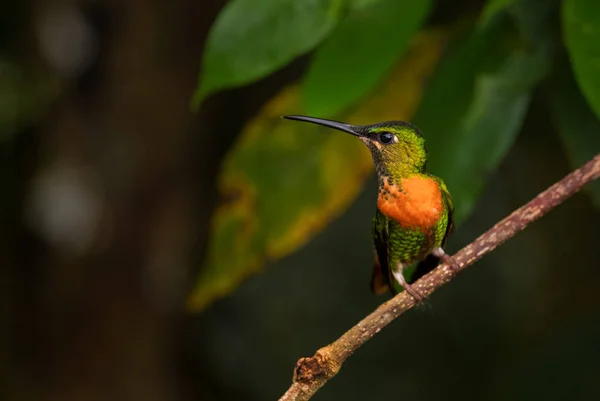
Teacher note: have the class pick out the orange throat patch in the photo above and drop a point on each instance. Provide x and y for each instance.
(415, 203)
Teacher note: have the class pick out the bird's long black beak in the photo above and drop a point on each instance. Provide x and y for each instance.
(351, 129)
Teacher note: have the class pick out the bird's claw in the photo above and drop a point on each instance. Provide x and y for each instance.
(444, 257)
(451, 263)
(413, 293)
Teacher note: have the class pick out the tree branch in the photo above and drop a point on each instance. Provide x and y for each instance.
(312, 373)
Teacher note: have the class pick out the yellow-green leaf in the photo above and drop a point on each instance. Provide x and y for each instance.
(282, 182)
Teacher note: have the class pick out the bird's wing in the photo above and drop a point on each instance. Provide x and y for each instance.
(380, 281)
(450, 205)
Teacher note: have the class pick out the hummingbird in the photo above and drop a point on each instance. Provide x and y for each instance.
(414, 213)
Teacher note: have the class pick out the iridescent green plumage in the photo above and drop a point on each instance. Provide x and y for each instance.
(414, 209)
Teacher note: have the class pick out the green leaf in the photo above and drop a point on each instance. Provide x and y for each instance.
(358, 54)
(581, 26)
(578, 126)
(474, 107)
(283, 181)
(252, 38)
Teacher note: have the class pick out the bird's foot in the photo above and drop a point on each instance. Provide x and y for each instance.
(413, 293)
(407, 287)
(439, 252)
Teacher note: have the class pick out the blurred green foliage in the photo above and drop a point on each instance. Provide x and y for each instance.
(471, 109)
(492, 8)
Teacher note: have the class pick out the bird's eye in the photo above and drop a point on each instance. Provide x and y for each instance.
(386, 138)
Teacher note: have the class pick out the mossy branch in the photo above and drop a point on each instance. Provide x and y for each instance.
(312, 373)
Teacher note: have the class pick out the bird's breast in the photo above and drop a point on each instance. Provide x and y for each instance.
(414, 202)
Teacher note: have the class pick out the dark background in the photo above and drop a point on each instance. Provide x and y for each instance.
(108, 186)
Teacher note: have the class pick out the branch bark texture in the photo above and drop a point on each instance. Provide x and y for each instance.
(312, 373)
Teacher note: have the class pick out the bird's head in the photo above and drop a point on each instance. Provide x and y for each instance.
(398, 147)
